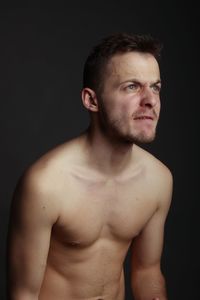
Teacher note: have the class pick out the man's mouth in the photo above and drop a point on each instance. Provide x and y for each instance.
(143, 118)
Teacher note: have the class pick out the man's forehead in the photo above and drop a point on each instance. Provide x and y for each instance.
(135, 65)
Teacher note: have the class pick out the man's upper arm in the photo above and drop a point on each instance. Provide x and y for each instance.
(147, 246)
(32, 216)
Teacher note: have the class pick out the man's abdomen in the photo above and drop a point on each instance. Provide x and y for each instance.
(94, 273)
(56, 287)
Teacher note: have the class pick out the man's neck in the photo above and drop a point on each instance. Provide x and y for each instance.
(109, 156)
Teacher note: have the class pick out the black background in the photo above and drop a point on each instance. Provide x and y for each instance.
(42, 52)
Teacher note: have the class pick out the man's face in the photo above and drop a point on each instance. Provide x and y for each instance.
(129, 104)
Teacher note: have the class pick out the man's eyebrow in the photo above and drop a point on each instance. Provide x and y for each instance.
(157, 82)
(140, 82)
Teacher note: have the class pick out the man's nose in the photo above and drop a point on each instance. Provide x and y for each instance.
(148, 97)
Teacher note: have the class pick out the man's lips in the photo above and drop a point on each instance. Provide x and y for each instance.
(144, 117)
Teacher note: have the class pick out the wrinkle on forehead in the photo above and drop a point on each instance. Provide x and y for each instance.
(141, 66)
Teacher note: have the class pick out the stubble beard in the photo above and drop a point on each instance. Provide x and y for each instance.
(113, 129)
(143, 138)
(140, 137)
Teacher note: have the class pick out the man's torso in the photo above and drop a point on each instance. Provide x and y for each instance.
(98, 219)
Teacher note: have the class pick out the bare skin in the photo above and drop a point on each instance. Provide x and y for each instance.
(80, 207)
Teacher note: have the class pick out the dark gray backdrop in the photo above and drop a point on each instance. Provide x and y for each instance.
(42, 52)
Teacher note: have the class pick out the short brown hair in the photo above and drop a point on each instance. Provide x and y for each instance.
(111, 45)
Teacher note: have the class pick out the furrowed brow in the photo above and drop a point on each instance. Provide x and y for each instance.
(157, 82)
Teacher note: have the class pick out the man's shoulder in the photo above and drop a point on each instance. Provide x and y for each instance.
(45, 173)
(154, 166)
(55, 159)
(41, 184)
(158, 178)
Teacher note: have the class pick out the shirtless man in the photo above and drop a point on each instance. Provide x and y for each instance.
(78, 209)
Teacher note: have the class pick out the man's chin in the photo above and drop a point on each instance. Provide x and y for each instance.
(146, 140)
(142, 138)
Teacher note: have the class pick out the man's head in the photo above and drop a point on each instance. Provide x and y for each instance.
(121, 87)
(95, 65)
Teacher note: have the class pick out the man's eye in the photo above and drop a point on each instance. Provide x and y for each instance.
(132, 86)
(156, 88)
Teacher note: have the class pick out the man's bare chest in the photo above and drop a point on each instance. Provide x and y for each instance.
(91, 211)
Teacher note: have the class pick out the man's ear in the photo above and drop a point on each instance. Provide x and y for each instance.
(89, 99)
